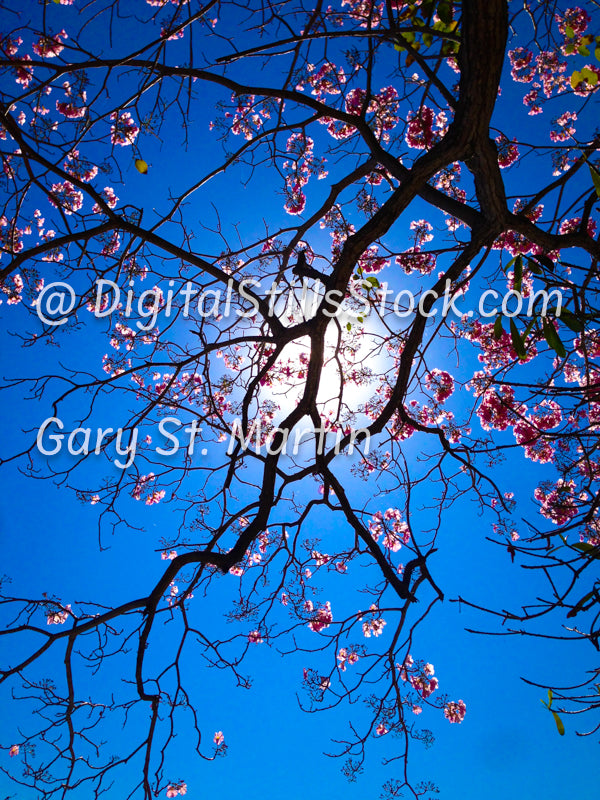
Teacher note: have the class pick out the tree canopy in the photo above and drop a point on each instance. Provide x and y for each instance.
(300, 306)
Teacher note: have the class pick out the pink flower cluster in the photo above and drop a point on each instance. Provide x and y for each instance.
(249, 117)
(24, 73)
(80, 168)
(374, 626)
(508, 152)
(58, 617)
(421, 678)
(299, 170)
(65, 196)
(173, 789)
(441, 383)
(346, 656)
(141, 485)
(328, 79)
(558, 502)
(50, 46)
(455, 711)
(322, 618)
(392, 527)
(413, 260)
(425, 128)
(365, 12)
(123, 130)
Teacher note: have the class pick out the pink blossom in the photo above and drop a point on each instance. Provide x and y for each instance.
(577, 20)
(346, 657)
(328, 79)
(508, 152)
(373, 627)
(14, 750)
(521, 61)
(70, 110)
(173, 789)
(123, 130)
(423, 684)
(218, 738)
(419, 133)
(558, 502)
(58, 617)
(413, 260)
(422, 230)
(441, 383)
(455, 712)
(65, 196)
(322, 619)
(49, 46)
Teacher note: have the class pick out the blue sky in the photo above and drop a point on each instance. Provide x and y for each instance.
(507, 744)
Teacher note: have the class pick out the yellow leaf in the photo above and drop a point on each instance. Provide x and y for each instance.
(141, 166)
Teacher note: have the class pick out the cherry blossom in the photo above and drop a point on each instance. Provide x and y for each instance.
(123, 130)
(58, 617)
(173, 789)
(50, 46)
(66, 197)
(322, 618)
(455, 711)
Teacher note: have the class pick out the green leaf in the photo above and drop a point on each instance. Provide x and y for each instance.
(583, 50)
(576, 79)
(529, 327)
(543, 259)
(569, 49)
(595, 178)
(588, 549)
(571, 321)
(444, 12)
(498, 329)
(597, 53)
(534, 267)
(550, 696)
(569, 32)
(577, 608)
(553, 339)
(518, 281)
(360, 319)
(509, 264)
(427, 39)
(348, 326)
(141, 166)
(517, 342)
(590, 76)
(559, 723)
(373, 281)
